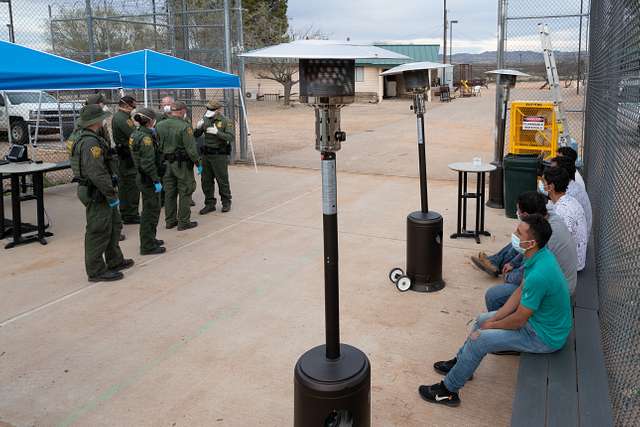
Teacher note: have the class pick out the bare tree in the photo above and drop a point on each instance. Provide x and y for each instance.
(284, 71)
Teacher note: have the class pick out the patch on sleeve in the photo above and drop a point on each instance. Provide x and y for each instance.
(130, 142)
(220, 124)
(147, 140)
(189, 131)
(96, 152)
(130, 123)
(69, 144)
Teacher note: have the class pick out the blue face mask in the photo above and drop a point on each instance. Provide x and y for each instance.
(541, 188)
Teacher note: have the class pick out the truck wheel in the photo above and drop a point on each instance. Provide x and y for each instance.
(19, 131)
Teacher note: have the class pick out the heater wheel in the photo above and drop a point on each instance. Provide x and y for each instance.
(395, 274)
(403, 284)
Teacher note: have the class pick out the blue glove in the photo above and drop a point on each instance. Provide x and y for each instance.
(158, 186)
(199, 169)
(114, 203)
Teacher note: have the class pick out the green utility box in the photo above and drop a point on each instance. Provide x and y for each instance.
(520, 175)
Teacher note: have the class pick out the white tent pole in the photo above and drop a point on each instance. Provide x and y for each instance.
(34, 144)
(146, 100)
(6, 112)
(246, 123)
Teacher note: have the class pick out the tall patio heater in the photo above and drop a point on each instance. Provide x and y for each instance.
(424, 227)
(505, 80)
(332, 382)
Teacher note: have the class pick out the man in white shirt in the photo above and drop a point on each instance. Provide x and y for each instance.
(573, 155)
(574, 189)
(556, 180)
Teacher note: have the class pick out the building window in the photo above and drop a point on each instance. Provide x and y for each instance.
(359, 74)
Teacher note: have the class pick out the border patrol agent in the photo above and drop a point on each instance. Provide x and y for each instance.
(180, 154)
(148, 160)
(219, 134)
(92, 167)
(121, 128)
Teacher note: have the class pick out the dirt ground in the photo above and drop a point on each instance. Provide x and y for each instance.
(208, 333)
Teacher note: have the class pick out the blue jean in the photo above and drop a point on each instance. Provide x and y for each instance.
(497, 295)
(509, 255)
(490, 340)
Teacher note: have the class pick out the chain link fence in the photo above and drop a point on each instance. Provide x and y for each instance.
(612, 157)
(568, 22)
(91, 30)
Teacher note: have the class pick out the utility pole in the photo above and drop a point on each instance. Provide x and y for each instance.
(444, 37)
(89, 13)
(451, 41)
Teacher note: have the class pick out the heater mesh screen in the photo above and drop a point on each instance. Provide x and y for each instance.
(327, 77)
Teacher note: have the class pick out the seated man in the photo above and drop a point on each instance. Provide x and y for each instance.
(561, 244)
(573, 155)
(555, 183)
(535, 319)
(574, 189)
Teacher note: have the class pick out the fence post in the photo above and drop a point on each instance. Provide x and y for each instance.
(230, 109)
(92, 55)
(241, 119)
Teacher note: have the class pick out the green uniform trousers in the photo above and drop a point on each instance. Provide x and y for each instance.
(128, 191)
(215, 167)
(150, 215)
(102, 234)
(178, 180)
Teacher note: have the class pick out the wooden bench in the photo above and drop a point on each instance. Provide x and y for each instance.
(570, 387)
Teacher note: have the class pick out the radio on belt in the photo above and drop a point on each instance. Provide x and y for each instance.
(332, 382)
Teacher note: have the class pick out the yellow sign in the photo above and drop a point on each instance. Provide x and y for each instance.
(96, 151)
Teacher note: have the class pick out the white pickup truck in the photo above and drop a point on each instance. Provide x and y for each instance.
(23, 111)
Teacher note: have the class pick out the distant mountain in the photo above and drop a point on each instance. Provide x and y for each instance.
(512, 58)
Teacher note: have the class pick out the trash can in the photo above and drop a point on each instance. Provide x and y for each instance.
(520, 175)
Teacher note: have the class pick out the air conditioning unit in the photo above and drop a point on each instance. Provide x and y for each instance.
(251, 95)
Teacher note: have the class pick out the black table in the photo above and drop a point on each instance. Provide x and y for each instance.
(16, 171)
(463, 169)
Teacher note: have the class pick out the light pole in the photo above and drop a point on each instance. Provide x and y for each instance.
(444, 36)
(451, 40)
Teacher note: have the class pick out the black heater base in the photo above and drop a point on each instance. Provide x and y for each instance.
(332, 393)
(496, 187)
(424, 251)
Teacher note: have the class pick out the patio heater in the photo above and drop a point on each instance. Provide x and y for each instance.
(424, 227)
(505, 80)
(332, 382)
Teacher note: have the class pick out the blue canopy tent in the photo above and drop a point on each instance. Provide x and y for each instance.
(148, 69)
(29, 69)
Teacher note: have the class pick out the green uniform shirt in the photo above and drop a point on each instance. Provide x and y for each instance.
(95, 163)
(176, 136)
(145, 153)
(121, 129)
(226, 133)
(546, 293)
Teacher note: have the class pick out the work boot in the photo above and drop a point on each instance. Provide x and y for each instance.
(159, 242)
(122, 237)
(192, 203)
(172, 225)
(126, 263)
(192, 224)
(226, 207)
(438, 393)
(107, 276)
(483, 263)
(155, 251)
(207, 209)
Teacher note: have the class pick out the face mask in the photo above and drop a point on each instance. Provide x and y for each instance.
(515, 244)
(166, 108)
(210, 113)
(184, 116)
(541, 188)
(105, 109)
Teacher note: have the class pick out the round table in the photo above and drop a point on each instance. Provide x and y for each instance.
(464, 168)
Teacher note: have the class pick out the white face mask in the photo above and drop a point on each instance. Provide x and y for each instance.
(166, 108)
(210, 113)
(105, 109)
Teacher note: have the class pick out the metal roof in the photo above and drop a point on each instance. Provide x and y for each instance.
(326, 49)
(416, 53)
(413, 66)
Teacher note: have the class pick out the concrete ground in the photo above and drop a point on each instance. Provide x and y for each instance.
(208, 333)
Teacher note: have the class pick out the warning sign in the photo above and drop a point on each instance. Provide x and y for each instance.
(533, 123)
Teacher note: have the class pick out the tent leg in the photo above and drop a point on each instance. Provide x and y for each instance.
(146, 99)
(34, 144)
(6, 112)
(246, 123)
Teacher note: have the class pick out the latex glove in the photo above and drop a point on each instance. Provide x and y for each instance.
(200, 124)
(158, 186)
(114, 203)
(213, 130)
(199, 168)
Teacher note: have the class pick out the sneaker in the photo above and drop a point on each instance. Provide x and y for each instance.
(444, 366)
(155, 251)
(126, 263)
(485, 265)
(172, 225)
(226, 207)
(159, 242)
(107, 276)
(192, 224)
(207, 209)
(438, 393)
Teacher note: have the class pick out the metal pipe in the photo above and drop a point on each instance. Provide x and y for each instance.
(241, 92)
(444, 37)
(12, 32)
(330, 234)
(89, 14)
(579, 49)
(155, 25)
(451, 40)
(419, 109)
(246, 123)
(574, 15)
(34, 144)
(60, 117)
(229, 95)
(6, 112)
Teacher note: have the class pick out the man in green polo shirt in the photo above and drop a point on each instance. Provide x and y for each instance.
(536, 318)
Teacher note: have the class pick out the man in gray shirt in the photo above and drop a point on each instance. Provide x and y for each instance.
(561, 245)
